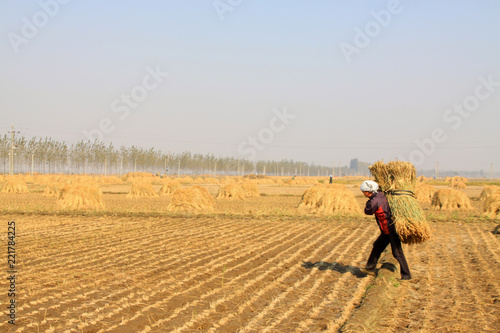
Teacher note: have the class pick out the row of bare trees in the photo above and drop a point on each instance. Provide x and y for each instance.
(45, 155)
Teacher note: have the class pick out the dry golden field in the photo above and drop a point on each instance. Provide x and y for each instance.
(254, 265)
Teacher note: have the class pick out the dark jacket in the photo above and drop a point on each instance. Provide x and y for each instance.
(378, 205)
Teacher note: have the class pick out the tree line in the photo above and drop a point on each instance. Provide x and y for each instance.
(45, 155)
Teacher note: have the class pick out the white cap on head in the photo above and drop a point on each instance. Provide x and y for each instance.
(369, 186)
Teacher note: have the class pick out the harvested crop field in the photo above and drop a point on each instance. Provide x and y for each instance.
(253, 265)
(119, 274)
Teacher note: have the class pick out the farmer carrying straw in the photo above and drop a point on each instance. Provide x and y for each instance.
(378, 205)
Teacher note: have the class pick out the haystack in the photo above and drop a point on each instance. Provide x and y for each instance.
(398, 181)
(130, 176)
(422, 179)
(250, 189)
(311, 197)
(80, 196)
(450, 199)
(169, 187)
(456, 179)
(458, 185)
(109, 180)
(230, 191)
(329, 199)
(193, 198)
(211, 180)
(238, 191)
(424, 192)
(491, 205)
(142, 189)
(487, 191)
(15, 184)
(53, 190)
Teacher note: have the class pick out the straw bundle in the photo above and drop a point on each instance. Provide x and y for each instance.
(398, 181)
(458, 184)
(250, 189)
(422, 179)
(142, 189)
(491, 206)
(187, 180)
(312, 196)
(231, 191)
(487, 191)
(329, 199)
(191, 199)
(133, 175)
(80, 196)
(169, 187)
(456, 179)
(450, 199)
(424, 192)
(15, 184)
(211, 180)
(53, 190)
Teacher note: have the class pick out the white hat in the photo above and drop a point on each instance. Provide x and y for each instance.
(369, 186)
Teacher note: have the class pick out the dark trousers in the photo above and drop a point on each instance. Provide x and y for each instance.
(397, 251)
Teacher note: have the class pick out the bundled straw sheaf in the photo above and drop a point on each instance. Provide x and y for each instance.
(15, 184)
(398, 180)
(450, 199)
(491, 205)
(80, 196)
(329, 199)
(142, 189)
(169, 187)
(238, 191)
(193, 198)
(424, 192)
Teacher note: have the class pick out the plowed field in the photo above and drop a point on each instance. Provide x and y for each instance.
(223, 274)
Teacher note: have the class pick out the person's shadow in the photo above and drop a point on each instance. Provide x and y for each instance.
(335, 266)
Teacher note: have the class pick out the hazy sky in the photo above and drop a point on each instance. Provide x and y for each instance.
(314, 81)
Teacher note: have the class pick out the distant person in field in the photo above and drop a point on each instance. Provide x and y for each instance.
(331, 179)
(378, 205)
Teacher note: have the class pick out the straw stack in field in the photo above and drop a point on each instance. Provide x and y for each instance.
(329, 199)
(238, 191)
(80, 195)
(230, 191)
(53, 190)
(130, 176)
(250, 189)
(422, 179)
(211, 180)
(487, 191)
(142, 188)
(450, 199)
(424, 192)
(311, 197)
(456, 179)
(169, 187)
(15, 184)
(491, 205)
(458, 184)
(193, 198)
(398, 180)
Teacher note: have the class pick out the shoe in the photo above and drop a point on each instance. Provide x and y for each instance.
(405, 278)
